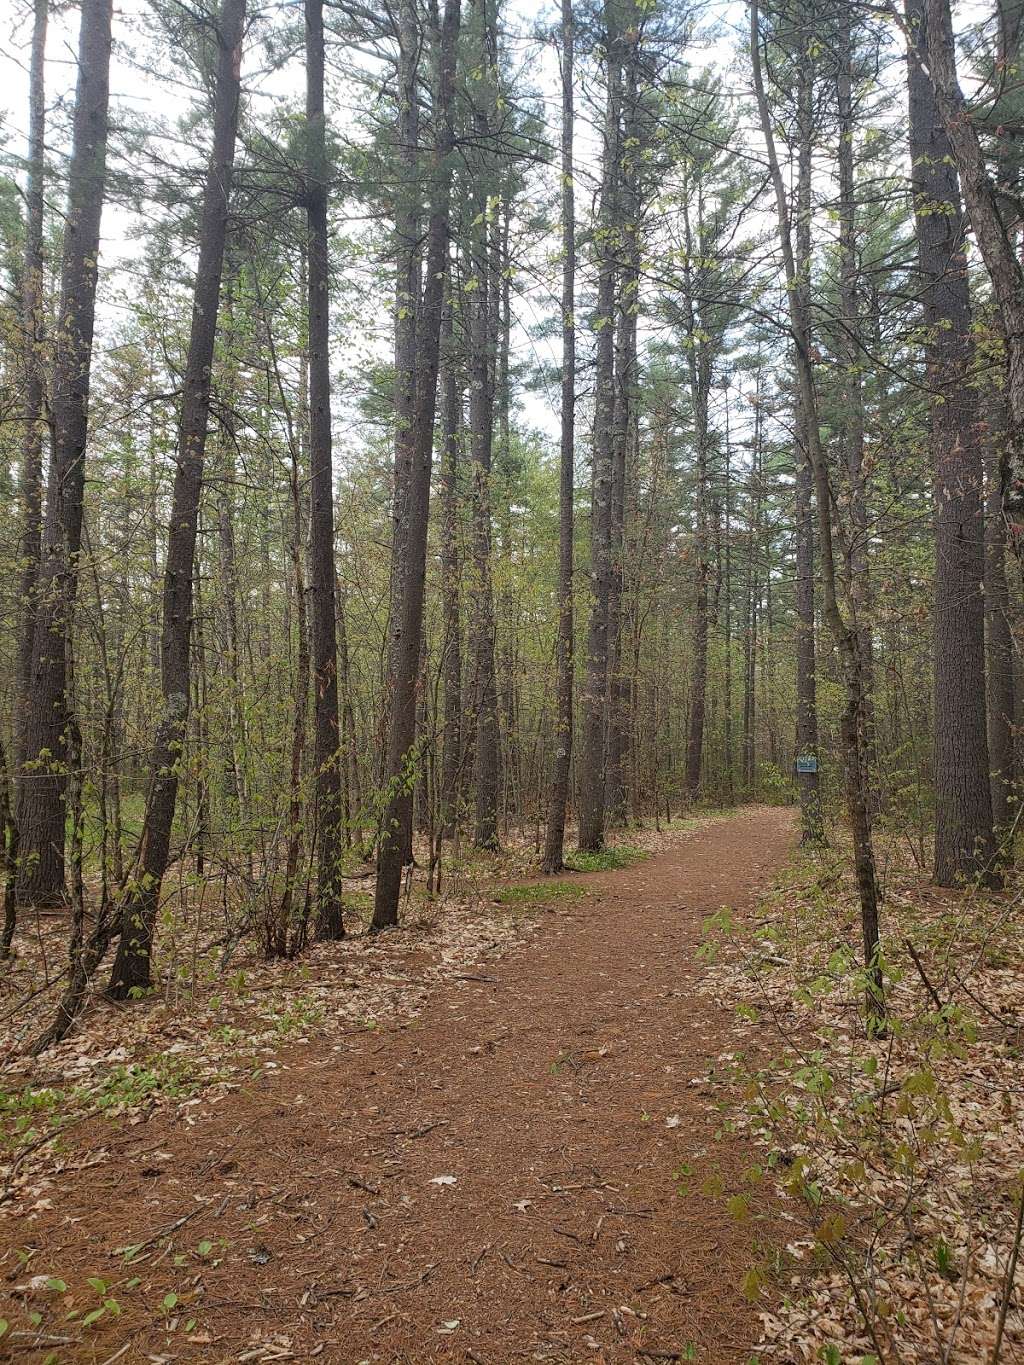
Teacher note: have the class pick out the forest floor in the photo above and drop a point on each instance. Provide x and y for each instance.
(497, 1174)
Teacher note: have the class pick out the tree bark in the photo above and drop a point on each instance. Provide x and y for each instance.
(964, 843)
(451, 581)
(407, 611)
(931, 39)
(999, 652)
(35, 392)
(46, 717)
(481, 423)
(625, 427)
(853, 394)
(699, 368)
(131, 970)
(812, 826)
(593, 699)
(323, 613)
(408, 287)
(554, 845)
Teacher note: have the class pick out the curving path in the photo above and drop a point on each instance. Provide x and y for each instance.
(494, 1182)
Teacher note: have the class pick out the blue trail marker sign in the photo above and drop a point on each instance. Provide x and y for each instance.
(807, 763)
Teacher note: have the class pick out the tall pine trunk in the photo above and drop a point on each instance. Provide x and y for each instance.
(812, 829)
(963, 816)
(999, 248)
(407, 606)
(562, 749)
(408, 286)
(451, 570)
(852, 351)
(699, 369)
(625, 430)
(1000, 692)
(481, 433)
(323, 617)
(131, 970)
(47, 712)
(593, 698)
(35, 393)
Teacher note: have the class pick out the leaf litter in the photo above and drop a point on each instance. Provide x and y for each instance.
(896, 1160)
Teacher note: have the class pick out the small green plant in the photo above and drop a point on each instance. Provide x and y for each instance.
(298, 1018)
(610, 859)
(127, 1086)
(358, 903)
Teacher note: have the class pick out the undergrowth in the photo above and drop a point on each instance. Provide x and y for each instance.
(896, 1160)
(609, 859)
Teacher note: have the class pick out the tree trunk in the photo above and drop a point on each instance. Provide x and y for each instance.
(43, 780)
(323, 620)
(853, 395)
(812, 826)
(625, 426)
(407, 609)
(593, 699)
(408, 287)
(846, 638)
(1000, 694)
(451, 582)
(481, 421)
(699, 368)
(131, 969)
(730, 784)
(562, 747)
(963, 816)
(932, 40)
(35, 395)
(282, 937)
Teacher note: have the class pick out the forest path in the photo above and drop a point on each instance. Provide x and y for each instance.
(493, 1181)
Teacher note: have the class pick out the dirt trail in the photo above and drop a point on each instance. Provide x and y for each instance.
(491, 1182)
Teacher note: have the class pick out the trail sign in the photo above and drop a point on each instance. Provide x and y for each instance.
(807, 763)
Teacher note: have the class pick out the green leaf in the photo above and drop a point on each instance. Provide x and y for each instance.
(752, 1283)
(169, 1301)
(58, 1286)
(739, 1207)
(4, 1325)
(92, 1317)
